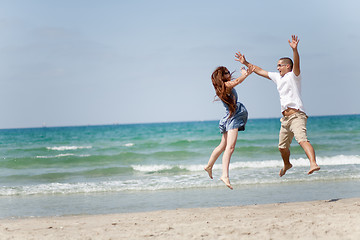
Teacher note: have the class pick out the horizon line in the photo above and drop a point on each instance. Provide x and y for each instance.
(165, 122)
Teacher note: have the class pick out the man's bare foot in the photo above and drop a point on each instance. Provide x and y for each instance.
(313, 169)
(209, 171)
(226, 181)
(284, 169)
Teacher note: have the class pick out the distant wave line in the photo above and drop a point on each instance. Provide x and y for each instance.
(64, 155)
(63, 148)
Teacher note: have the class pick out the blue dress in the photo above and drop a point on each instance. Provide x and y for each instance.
(238, 120)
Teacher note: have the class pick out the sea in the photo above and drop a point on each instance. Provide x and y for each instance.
(59, 171)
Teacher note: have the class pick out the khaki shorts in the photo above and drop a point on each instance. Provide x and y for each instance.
(293, 125)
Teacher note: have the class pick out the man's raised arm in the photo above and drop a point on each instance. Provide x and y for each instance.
(293, 44)
(258, 70)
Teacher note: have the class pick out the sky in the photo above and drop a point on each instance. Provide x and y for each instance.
(92, 62)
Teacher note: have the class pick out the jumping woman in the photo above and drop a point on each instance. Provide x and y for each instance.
(233, 121)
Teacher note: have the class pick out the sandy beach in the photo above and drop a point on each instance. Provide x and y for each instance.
(326, 219)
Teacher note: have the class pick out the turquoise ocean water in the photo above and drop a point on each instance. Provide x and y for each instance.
(143, 167)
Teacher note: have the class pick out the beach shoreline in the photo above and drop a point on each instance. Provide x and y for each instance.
(323, 219)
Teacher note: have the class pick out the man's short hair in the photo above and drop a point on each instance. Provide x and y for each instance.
(287, 60)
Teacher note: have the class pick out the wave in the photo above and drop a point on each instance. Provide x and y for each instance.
(156, 183)
(56, 156)
(64, 148)
(163, 168)
(339, 160)
(128, 144)
(69, 160)
(160, 161)
(300, 162)
(54, 174)
(112, 177)
(193, 143)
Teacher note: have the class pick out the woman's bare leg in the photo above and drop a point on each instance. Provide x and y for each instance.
(215, 155)
(229, 149)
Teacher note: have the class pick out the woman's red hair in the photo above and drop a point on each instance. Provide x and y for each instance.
(218, 80)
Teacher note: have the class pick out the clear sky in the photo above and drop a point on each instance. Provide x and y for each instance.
(80, 62)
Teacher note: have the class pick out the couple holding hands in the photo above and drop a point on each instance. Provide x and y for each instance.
(293, 122)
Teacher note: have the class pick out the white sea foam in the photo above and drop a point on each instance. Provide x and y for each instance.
(57, 156)
(322, 161)
(199, 167)
(162, 167)
(153, 183)
(129, 144)
(64, 155)
(64, 148)
(339, 160)
(151, 168)
(261, 172)
(86, 187)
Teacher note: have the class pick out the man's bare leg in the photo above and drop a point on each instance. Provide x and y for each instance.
(310, 153)
(285, 154)
(215, 155)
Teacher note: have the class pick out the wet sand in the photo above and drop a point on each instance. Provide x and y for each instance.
(326, 219)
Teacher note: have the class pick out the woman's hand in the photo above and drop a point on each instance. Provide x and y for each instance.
(248, 71)
(243, 71)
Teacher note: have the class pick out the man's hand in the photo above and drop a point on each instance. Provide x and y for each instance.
(240, 58)
(294, 42)
(251, 69)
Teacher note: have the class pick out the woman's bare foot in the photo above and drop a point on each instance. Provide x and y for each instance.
(209, 171)
(313, 169)
(227, 182)
(284, 169)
